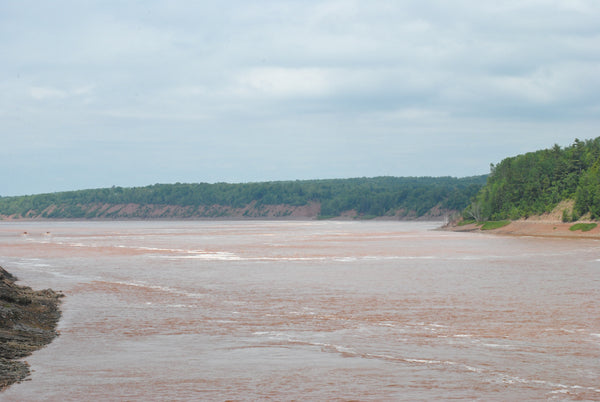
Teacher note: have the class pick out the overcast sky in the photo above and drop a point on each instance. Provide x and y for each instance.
(131, 93)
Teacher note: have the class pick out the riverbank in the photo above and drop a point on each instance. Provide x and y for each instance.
(28, 322)
(532, 227)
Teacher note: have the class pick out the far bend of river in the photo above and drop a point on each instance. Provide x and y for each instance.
(308, 310)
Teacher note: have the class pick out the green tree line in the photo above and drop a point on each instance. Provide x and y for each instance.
(367, 196)
(534, 183)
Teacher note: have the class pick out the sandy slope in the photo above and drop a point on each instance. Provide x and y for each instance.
(548, 225)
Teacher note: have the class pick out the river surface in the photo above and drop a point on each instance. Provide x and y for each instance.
(308, 310)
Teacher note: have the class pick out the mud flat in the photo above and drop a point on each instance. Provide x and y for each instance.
(28, 320)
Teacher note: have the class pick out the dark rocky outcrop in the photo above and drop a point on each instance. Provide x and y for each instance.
(28, 322)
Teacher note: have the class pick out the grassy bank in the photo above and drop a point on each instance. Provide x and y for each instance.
(491, 225)
(584, 227)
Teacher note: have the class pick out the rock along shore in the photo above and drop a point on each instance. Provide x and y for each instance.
(28, 322)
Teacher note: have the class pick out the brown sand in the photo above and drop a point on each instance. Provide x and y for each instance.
(546, 225)
(533, 227)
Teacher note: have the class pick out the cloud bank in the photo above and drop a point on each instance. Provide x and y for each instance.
(105, 93)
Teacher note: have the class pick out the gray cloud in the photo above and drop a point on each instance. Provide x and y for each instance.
(100, 93)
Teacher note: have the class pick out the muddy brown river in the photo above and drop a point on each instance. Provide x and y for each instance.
(308, 310)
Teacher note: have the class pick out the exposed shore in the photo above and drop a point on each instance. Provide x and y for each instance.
(28, 322)
(532, 227)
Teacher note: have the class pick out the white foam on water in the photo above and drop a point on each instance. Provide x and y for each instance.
(218, 256)
(402, 257)
(346, 351)
(159, 288)
(228, 256)
(562, 388)
(473, 369)
(345, 259)
(495, 345)
(29, 262)
(440, 363)
(181, 306)
(425, 361)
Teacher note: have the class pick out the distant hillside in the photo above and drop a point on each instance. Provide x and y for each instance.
(401, 197)
(536, 182)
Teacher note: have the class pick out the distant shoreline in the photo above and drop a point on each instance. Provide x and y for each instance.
(349, 218)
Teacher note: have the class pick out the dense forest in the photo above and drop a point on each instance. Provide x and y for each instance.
(365, 197)
(536, 182)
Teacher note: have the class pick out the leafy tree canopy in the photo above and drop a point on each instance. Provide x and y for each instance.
(534, 183)
(367, 196)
